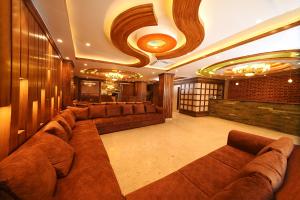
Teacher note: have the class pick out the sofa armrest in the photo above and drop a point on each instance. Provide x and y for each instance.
(247, 142)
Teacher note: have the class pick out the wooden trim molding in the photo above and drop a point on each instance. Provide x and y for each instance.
(186, 18)
(128, 22)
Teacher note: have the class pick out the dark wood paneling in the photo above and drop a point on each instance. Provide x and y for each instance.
(5, 53)
(16, 36)
(67, 76)
(26, 54)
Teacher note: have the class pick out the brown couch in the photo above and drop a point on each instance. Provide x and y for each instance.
(122, 116)
(232, 172)
(89, 177)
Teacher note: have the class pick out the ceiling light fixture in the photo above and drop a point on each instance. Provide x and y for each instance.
(85, 64)
(59, 40)
(237, 83)
(114, 76)
(251, 69)
(67, 58)
(88, 44)
(290, 79)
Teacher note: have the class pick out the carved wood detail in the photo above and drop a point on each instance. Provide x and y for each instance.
(128, 22)
(185, 15)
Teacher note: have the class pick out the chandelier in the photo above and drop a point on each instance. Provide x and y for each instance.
(252, 69)
(114, 76)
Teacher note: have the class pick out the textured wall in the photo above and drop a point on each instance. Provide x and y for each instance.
(267, 89)
(277, 116)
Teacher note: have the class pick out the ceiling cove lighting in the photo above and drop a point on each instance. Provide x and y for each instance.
(251, 69)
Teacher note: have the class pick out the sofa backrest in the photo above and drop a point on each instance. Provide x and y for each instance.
(113, 110)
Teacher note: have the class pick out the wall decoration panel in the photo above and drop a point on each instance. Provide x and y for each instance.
(267, 89)
(27, 55)
(195, 94)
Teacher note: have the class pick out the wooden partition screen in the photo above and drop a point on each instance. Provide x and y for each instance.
(195, 93)
(31, 74)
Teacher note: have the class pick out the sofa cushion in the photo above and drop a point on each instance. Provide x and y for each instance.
(59, 153)
(127, 109)
(80, 113)
(252, 187)
(54, 128)
(150, 108)
(283, 145)
(64, 124)
(139, 108)
(28, 174)
(272, 165)
(97, 111)
(113, 110)
(173, 186)
(209, 175)
(69, 117)
(232, 157)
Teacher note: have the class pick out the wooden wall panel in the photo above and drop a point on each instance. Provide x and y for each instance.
(67, 76)
(30, 74)
(5, 53)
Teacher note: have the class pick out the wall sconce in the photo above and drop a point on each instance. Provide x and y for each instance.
(23, 103)
(43, 101)
(34, 115)
(5, 116)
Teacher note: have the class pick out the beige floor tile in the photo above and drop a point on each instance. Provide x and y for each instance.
(143, 155)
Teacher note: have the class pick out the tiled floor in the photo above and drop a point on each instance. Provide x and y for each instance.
(143, 155)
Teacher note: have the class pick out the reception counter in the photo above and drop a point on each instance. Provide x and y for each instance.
(277, 116)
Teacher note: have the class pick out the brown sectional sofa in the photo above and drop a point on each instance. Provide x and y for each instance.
(116, 117)
(232, 172)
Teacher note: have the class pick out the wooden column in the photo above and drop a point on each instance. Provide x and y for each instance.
(140, 90)
(166, 93)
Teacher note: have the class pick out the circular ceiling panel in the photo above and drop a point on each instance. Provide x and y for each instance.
(259, 64)
(156, 43)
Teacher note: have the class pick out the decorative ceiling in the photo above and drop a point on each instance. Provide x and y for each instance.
(107, 74)
(258, 64)
(190, 34)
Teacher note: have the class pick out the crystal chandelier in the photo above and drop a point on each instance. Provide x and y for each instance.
(114, 76)
(252, 69)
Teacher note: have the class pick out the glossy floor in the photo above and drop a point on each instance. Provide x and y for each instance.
(143, 155)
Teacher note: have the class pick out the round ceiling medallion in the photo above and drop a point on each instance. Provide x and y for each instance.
(156, 43)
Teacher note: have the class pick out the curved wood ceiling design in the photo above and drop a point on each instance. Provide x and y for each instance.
(128, 22)
(278, 58)
(185, 15)
(161, 43)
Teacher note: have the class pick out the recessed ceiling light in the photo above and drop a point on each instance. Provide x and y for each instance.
(258, 21)
(237, 83)
(67, 58)
(153, 72)
(59, 40)
(85, 64)
(176, 70)
(88, 44)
